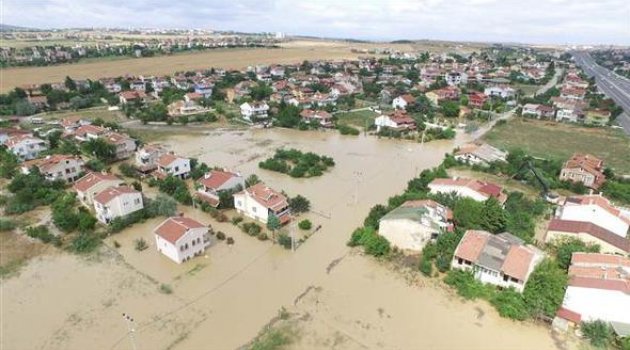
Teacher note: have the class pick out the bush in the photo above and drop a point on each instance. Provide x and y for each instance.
(140, 244)
(166, 289)
(6, 225)
(220, 236)
(599, 333)
(466, 285)
(373, 243)
(426, 267)
(237, 220)
(116, 244)
(230, 240)
(284, 240)
(128, 170)
(42, 233)
(510, 304)
(85, 242)
(305, 224)
(299, 204)
(566, 247)
(347, 130)
(251, 228)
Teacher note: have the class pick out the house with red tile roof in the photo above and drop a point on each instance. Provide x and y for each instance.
(412, 225)
(56, 167)
(115, 202)
(92, 184)
(169, 164)
(147, 156)
(503, 260)
(181, 238)
(470, 188)
(125, 145)
(217, 181)
(598, 210)
(88, 132)
(598, 289)
(131, 96)
(476, 99)
(321, 118)
(584, 168)
(398, 120)
(401, 102)
(25, 146)
(259, 202)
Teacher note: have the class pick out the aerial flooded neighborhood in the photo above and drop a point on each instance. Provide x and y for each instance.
(225, 179)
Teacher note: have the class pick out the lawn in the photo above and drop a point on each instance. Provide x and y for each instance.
(91, 114)
(358, 118)
(559, 141)
(528, 89)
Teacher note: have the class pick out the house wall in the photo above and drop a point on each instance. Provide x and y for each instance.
(576, 175)
(405, 234)
(605, 247)
(594, 304)
(175, 251)
(246, 205)
(27, 150)
(122, 205)
(470, 158)
(459, 190)
(399, 102)
(596, 215)
(182, 165)
(488, 276)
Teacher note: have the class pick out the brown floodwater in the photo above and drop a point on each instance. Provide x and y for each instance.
(223, 299)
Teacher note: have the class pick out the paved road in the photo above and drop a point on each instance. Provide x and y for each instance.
(613, 85)
(551, 83)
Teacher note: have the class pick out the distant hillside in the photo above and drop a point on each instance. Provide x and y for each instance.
(10, 28)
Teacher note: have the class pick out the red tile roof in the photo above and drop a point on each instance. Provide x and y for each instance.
(89, 129)
(216, 178)
(174, 228)
(110, 193)
(45, 164)
(517, 262)
(266, 196)
(600, 259)
(471, 245)
(576, 227)
(487, 188)
(166, 159)
(91, 179)
(569, 315)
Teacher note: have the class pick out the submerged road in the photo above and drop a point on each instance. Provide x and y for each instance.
(613, 85)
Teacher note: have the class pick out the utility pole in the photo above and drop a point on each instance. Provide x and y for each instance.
(129, 320)
(357, 175)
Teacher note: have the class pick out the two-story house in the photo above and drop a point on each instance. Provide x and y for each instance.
(181, 238)
(92, 184)
(115, 202)
(259, 202)
(253, 111)
(26, 147)
(217, 181)
(169, 164)
(56, 167)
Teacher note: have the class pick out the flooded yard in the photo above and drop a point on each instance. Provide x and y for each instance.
(223, 299)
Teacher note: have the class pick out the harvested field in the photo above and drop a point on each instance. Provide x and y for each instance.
(164, 65)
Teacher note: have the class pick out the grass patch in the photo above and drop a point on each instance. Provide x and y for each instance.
(12, 268)
(166, 289)
(559, 141)
(360, 119)
(274, 339)
(297, 164)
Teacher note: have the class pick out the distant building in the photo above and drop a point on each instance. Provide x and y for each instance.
(584, 168)
(397, 120)
(26, 147)
(401, 102)
(254, 110)
(181, 238)
(217, 181)
(56, 167)
(502, 260)
(469, 188)
(415, 223)
(480, 153)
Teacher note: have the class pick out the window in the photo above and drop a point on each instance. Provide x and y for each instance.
(238, 203)
(194, 242)
(460, 261)
(506, 278)
(136, 201)
(254, 209)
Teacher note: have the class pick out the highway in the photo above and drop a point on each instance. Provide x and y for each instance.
(610, 83)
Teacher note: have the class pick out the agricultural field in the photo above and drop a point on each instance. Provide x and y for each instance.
(165, 65)
(358, 118)
(559, 141)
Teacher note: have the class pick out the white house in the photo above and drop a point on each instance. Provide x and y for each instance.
(598, 210)
(500, 91)
(415, 223)
(56, 167)
(147, 156)
(569, 114)
(480, 153)
(125, 145)
(470, 188)
(170, 164)
(456, 78)
(502, 260)
(401, 102)
(26, 147)
(217, 181)
(598, 289)
(181, 238)
(259, 202)
(399, 120)
(254, 110)
(114, 202)
(92, 184)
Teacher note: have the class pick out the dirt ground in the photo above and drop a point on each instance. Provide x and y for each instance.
(223, 299)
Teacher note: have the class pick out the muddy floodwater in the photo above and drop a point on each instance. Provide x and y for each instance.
(223, 299)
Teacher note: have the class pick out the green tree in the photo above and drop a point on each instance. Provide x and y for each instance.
(251, 180)
(545, 288)
(100, 149)
(273, 223)
(467, 213)
(598, 332)
(450, 109)
(299, 204)
(305, 224)
(566, 247)
(70, 84)
(493, 216)
(510, 304)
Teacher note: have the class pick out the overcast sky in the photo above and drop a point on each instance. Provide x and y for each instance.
(532, 21)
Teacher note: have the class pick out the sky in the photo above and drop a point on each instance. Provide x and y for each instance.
(525, 21)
